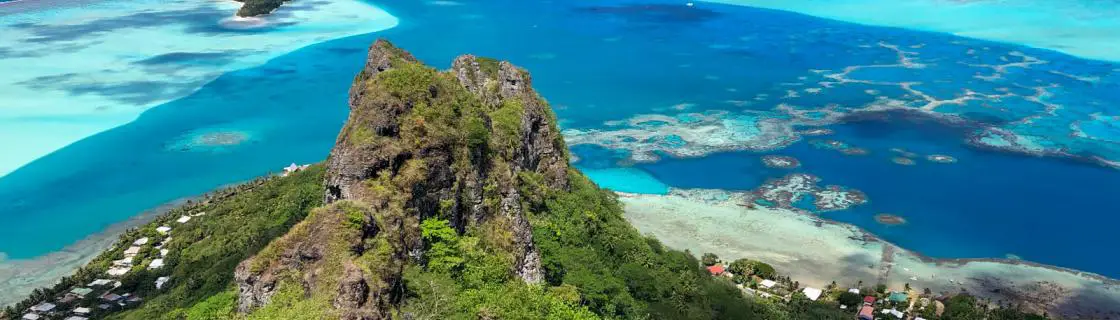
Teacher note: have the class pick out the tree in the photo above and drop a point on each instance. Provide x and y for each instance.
(764, 270)
(709, 259)
(962, 307)
(849, 299)
(742, 266)
(881, 288)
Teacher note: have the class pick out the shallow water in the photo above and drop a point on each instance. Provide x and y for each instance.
(611, 61)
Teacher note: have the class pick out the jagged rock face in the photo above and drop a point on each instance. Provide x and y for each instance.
(420, 144)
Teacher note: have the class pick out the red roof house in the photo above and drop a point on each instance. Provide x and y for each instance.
(716, 270)
(867, 313)
(868, 300)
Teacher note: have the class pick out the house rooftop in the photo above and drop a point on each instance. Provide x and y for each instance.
(854, 290)
(156, 264)
(99, 282)
(30, 316)
(716, 269)
(81, 310)
(43, 307)
(812, 293)
(81, 291)
(111, 297)
(118, 271)
(76, 318)
(163, 229)
(141, 241)
(898, 296)
(161, 281)
(768, 283)
(183, 219)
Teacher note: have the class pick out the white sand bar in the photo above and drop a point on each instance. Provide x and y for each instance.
(817, 252)
(72, 69)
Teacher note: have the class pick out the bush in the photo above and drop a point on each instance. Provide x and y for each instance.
(709, 259)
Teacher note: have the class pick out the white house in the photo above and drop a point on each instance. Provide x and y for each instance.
(183, 219)
(81, 310)
(76, 318)
(768, 283)
(30, 316)
(854, 290)
(141, 241)
(161, 281)
(118, 271)
(893, 312)
(163, 229)
(156, 264)
(812, 293)
(99, 282)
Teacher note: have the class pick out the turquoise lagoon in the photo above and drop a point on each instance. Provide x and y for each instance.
(654, 95)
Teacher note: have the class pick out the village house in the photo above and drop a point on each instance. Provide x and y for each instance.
(76, 318)
(897, 297)
(81, 310)
(43, 307)
(893, 312)
(812, 293)
(163, 229)
(867, 313)
(30, 316)
(717, 270)
(767, 283)
(99, 282)
(183, 219)
(156, 264)
(80, 292)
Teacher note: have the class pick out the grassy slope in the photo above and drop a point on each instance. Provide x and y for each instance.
(205, 251)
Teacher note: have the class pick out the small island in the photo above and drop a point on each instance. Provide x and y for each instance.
(889, 219)
(843, 147)
(940, 158)
(904, 153)
(780, 162)
(903, 161)
(253, 8)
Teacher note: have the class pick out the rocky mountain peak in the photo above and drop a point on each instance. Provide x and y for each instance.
(420, 143)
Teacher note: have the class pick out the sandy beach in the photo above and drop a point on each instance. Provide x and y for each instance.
(816, 252)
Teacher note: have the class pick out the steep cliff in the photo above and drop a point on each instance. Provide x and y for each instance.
(419, 144)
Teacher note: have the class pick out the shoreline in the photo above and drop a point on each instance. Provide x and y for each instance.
(18, 277)
(816, 251)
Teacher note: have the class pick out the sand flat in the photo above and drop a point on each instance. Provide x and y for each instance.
(816, 252)
(73, 69)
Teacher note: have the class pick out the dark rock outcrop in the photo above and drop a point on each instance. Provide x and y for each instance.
(419, 144)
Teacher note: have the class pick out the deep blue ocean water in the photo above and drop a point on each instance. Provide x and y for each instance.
(608, 61)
